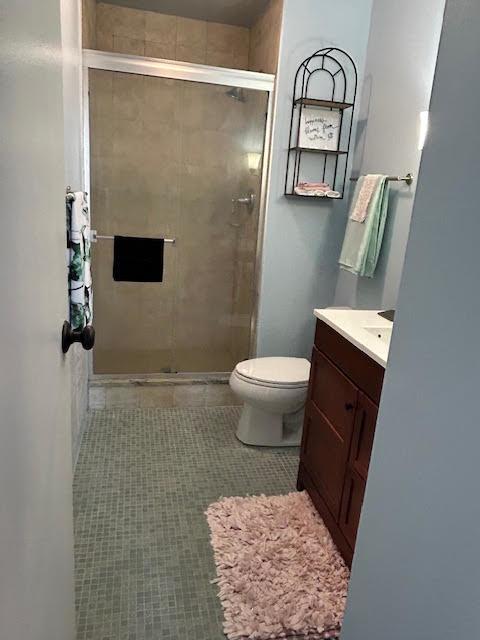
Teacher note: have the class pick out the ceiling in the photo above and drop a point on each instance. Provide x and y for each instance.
(239, 12)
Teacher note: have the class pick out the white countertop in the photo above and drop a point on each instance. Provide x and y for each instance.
(365, 329)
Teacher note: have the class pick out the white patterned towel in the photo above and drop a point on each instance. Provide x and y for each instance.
(79, 272)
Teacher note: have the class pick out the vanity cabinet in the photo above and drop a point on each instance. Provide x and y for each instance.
(339, 428)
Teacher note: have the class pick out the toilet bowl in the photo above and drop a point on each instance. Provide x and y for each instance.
(273, 391)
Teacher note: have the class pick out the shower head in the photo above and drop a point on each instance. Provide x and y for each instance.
(236, 93)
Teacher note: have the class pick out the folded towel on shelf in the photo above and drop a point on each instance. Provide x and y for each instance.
(363, 240)
(312, 188)
(314, 185)
(138, 259)
(79, 259)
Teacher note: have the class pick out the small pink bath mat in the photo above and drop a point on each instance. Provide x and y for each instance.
(278, 571)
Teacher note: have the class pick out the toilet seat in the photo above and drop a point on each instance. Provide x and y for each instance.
(275, 372)
(273, 392)
(270, 385)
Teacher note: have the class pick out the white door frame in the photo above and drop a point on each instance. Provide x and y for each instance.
(172, 69)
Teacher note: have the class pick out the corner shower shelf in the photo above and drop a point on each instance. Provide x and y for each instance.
(335, 76)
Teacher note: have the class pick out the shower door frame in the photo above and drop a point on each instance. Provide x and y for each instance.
(189, 71)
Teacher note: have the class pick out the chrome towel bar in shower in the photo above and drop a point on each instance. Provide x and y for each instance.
(94, 236)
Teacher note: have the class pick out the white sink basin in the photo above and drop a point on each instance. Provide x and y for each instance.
(382, 333)
(364, 328)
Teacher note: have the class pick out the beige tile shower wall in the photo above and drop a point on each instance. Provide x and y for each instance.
(265, 39)
(166, 159)
(263, 57)
(247, 231)
(134, 174)
(89, 24)
(147, 33)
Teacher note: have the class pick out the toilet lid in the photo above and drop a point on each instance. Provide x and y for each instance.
(284, 371)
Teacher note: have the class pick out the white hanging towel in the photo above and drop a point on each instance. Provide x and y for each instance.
(79, 269)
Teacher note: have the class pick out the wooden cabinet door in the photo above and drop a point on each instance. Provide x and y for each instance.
(359, 460)
(325, 456)
(363, 435)
(334, 394)
(352, 501)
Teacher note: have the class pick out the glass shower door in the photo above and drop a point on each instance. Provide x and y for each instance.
(167, 159)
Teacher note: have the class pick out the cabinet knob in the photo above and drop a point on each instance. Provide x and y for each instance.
(349, 406)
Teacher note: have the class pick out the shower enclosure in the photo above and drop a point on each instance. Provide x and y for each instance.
(176, 151)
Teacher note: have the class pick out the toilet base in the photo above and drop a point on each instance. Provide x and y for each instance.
(263, 429)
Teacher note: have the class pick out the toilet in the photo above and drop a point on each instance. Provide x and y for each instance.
(274, 391)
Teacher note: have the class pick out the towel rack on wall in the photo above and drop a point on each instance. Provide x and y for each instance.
(408, 178)
(95, 236)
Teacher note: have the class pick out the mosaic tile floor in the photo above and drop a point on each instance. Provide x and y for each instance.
(142, 482)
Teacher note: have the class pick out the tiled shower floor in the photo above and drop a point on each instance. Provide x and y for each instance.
(142, 482)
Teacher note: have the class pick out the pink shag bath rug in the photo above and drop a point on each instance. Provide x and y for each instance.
(278, 571)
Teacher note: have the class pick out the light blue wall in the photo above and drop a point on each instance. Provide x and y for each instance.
(302, 240)
(402, 52)
(416, 571)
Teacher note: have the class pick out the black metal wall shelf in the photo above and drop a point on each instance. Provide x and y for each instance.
(300, 195)
(334, 152)
(313, 102)
(321, 125)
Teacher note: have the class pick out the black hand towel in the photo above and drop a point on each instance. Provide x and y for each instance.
(138, 259)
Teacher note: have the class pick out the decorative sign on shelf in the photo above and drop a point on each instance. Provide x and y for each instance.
(319, 129)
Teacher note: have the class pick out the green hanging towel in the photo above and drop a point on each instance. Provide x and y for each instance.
(364, 233)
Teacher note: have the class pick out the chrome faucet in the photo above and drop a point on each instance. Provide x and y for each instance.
(248, 201)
